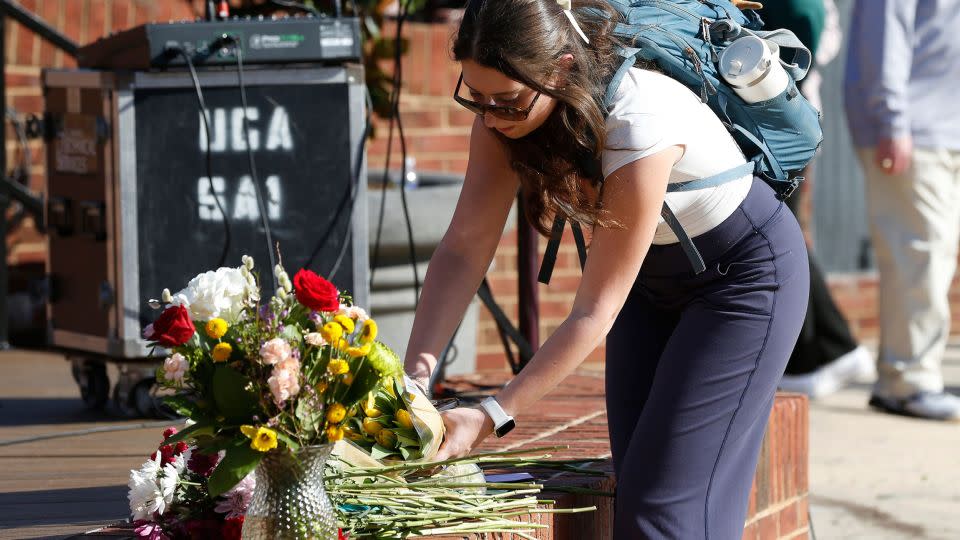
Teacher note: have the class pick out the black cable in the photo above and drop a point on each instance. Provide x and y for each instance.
(349, 198)
(209, 159)
(299, 5)
(21, 173)
(252, 163)
(354, 187)
(395, 99)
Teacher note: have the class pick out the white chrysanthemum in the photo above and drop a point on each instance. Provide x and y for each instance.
(219, 293)
(149, 469)
(168, 486)
(180, 461)
(144, 496)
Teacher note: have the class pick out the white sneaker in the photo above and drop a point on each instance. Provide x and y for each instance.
(856, 365)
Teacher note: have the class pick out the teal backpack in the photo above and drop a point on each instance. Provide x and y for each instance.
(684, 38)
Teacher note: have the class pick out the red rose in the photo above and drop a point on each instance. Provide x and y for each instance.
(172, 329)
(169, 432)
(342, 535)
(315, 292)
(232, 528)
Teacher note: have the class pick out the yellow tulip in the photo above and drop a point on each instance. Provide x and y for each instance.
(404, 419)
(371, 426)
(387, 439)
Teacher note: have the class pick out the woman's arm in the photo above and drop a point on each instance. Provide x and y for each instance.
(633, 195)
(461, 259)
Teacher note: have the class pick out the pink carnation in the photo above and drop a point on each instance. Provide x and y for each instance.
(175, 367)
(285, 380)
(275, 351)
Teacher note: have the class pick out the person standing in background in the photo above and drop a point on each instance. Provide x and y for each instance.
(826, 357)
(900, 87)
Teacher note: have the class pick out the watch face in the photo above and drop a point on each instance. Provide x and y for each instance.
(505, 427)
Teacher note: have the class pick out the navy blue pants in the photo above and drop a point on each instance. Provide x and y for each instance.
(693, 362)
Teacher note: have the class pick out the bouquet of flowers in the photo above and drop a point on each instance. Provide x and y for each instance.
(169, 497)
(395, 424)
(257, 377)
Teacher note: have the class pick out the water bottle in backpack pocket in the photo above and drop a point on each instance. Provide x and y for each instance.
(774, 120)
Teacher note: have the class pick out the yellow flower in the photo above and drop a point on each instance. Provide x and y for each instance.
(338, 367)
(216, 328)
(346, 322)
(334, 433)
(404, 419)
(351, 434)
(331, 332)
(347, 378)
(372, 412)
(336, 413)
(357, 352)
(369, 331)
(221, 352)
(371, 426)
(387, 439)
(262, 439)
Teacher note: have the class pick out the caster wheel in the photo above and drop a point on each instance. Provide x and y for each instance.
(122, 400)
(91, 377)
(147, 399)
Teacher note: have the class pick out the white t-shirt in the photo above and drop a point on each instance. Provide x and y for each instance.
(651, 112)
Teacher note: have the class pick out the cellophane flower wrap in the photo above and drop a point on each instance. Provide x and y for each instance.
(257, 375)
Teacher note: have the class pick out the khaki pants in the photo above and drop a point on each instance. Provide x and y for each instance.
(915, 225)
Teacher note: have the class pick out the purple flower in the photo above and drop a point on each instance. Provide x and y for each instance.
(149, 530)
(235, 501)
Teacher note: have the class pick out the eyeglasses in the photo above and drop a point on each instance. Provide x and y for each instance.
(511, 114)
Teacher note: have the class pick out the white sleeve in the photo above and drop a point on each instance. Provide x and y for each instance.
(636, 135)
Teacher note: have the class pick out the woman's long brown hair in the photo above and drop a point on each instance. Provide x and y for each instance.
(525, 39)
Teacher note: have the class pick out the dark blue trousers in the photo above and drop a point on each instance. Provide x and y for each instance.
(693, 362)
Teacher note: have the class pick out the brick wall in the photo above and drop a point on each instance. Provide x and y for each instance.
(82, 21)
(429, 79)
(574, 415)
(436, 128)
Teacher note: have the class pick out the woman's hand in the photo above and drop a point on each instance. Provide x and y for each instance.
(466, 429)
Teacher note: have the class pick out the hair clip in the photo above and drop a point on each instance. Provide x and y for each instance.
(567, 6)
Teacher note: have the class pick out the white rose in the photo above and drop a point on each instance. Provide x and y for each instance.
(219, 293)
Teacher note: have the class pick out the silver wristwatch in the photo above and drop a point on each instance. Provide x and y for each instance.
(502, 422)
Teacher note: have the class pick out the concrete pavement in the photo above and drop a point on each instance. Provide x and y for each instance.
(876, 476)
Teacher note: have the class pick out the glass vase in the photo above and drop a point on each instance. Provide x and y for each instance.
(290, 501)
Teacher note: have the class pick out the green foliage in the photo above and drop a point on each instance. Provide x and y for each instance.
(238, 461)
(236, 399)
